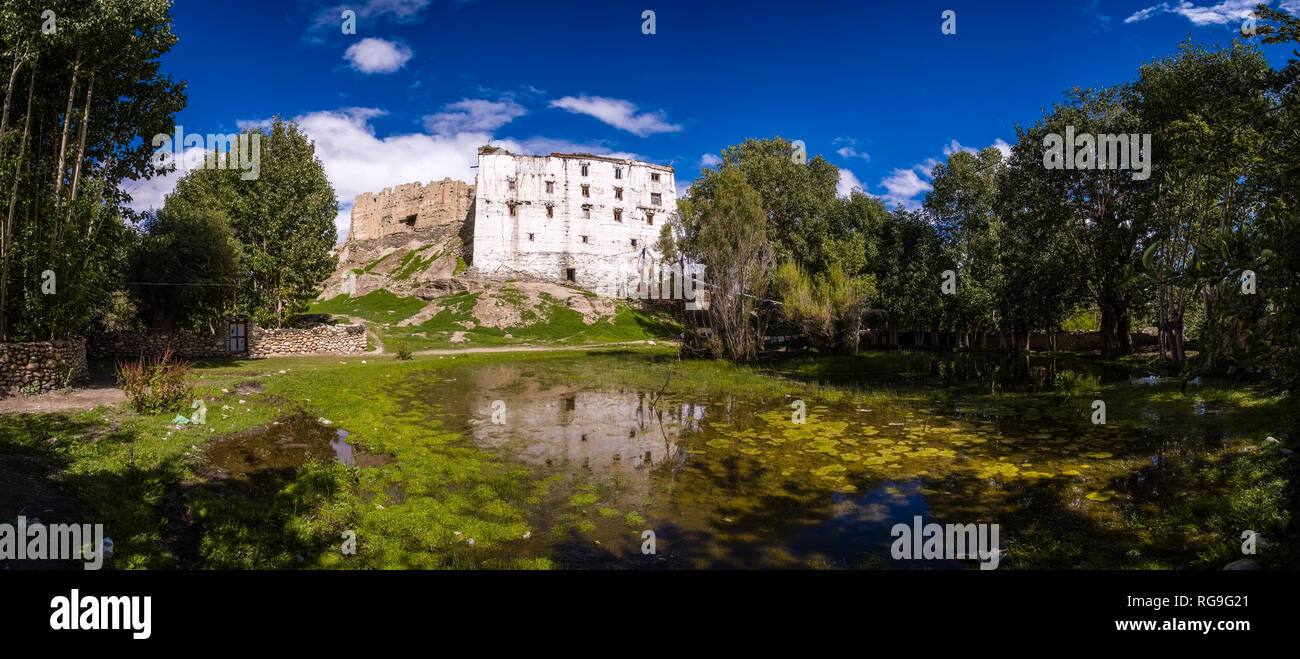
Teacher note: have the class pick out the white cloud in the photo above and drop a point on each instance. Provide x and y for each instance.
(619, 114)
(683, 188)
(955, 146)
(473, 115)
(396, 11)
(150, 193)
(850, 148)
(710, 160)
(847, 183)
(902, 187)
(371, 55)
(357, 161)
(1228, 11)
(1001, 145)
(850, 152)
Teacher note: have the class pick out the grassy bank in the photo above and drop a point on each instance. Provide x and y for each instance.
(454, 326)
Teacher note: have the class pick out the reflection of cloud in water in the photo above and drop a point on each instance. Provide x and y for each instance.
(601, 431)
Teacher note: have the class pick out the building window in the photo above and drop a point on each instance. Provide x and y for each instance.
(586, 211)
(649, 217)
(656, 199)
(513, 212)
(550, 186)
(654, 178)
(571, 275)
(584, 239)
(510, 183)
(618, 172)
(634, 242)
(584, 170)
(550, 210)
(586, 190)
(618, 193)
(618, 215)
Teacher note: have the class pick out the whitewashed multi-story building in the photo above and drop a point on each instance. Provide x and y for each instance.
(587, 219)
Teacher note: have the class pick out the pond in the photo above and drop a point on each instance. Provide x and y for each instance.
(813, 464)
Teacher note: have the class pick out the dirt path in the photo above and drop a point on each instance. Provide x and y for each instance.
(379, 345)
(102, 390)
(465, 351)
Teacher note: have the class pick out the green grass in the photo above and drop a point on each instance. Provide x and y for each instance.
(373, 306)
(551, 323)
(412, 264)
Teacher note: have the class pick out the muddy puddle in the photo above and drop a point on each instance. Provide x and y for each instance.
(280, 449)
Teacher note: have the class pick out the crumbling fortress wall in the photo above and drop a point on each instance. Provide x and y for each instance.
(411, 208)
(388, 226)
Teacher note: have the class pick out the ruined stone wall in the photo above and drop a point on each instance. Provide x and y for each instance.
(411, 207)
(42, 365)
(541, 216)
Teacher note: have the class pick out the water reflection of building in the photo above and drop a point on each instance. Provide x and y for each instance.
(604, 432)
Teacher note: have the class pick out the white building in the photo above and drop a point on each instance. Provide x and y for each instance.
(590, 220)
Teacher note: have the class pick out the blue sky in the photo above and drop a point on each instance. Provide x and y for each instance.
(875, 87)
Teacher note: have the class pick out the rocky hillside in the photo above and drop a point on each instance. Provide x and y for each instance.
(415, 289)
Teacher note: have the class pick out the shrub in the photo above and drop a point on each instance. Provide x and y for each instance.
(403, 351)
(156, 385)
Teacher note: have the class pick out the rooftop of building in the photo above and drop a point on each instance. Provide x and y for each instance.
(488, 149)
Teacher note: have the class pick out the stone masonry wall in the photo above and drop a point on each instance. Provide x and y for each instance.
(42, 365)
(328, 339)
(187, 344)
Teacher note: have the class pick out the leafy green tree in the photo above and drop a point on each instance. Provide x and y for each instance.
(283, 220)
(1041, 271)
(829, 308)
(186, 268)
(1202, 107)
(963, 209)
(722, 228)
(1100, 213)
(80, 108)
(796, 198)
(908, 274)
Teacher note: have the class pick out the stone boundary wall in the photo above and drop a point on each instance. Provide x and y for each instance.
(317, 339)
(42, 365)
(188, 344)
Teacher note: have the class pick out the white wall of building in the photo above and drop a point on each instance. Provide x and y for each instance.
(607, 261)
